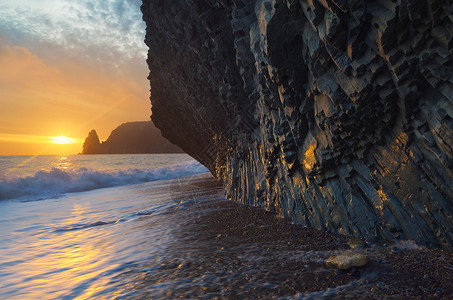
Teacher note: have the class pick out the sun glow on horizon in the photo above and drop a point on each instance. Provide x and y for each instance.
(30, 144)
(38, 139)
(61, 139)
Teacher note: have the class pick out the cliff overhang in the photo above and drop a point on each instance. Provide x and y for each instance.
(336, 114)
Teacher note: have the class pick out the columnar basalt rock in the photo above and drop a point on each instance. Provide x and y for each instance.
(337, 114)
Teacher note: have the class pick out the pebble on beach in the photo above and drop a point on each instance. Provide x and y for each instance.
(356, 243)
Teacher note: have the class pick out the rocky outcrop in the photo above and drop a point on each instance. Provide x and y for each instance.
(92, 145)
(336, 114)
(130, 138)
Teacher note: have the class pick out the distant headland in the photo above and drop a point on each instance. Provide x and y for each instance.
(130, 138)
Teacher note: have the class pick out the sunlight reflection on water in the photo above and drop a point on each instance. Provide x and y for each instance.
(163, 239)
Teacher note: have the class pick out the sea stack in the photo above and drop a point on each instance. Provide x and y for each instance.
(92, 145)
(336, 114)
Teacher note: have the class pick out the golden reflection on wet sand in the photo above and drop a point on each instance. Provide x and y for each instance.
(66, 260)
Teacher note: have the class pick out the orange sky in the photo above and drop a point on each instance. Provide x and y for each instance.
(56, 88)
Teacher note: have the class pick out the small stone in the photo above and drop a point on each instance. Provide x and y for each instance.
(395, 250)
(346, 261)
(371, 240)
(356, 243)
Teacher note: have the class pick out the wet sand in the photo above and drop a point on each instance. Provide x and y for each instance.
(278, 259)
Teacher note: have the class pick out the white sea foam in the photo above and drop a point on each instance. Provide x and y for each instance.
(56, 182)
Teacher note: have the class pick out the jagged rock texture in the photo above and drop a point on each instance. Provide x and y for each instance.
(334, 113)
(130, 138)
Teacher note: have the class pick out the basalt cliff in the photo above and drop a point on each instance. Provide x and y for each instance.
(336, 114)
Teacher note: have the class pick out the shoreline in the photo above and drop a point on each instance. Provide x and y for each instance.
(298, 254)
(400, 269)
(180, 238)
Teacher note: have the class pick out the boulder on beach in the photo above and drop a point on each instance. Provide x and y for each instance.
(346, 261)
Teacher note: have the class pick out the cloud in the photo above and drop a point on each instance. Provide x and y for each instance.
(106, 33)
(20, 67)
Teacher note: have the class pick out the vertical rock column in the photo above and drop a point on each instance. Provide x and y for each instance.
(336, 114)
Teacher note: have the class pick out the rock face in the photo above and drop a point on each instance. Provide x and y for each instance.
(92, 145)
(337, 114)
(130, 138)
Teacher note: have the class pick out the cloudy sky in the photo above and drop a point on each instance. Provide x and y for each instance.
(66, 67)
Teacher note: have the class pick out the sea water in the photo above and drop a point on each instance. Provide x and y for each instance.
(71, 226)
(145, 227)
(46, 176)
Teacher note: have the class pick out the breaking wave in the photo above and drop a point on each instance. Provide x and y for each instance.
(56, 182)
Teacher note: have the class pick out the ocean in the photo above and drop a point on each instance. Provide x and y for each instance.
(156, 227)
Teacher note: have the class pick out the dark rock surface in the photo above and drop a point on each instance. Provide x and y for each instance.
(130, 138)
(92, 145)
(336, 114)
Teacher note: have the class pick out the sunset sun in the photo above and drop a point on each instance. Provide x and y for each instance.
(62, 140)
